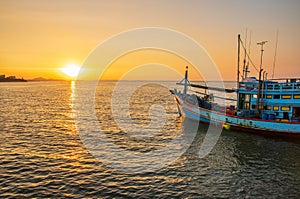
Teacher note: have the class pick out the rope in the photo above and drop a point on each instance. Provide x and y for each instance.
(248, 56)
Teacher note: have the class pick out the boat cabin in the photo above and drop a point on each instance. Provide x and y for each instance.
(275, 99)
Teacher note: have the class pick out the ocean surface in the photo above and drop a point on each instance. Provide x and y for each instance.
(43, 155)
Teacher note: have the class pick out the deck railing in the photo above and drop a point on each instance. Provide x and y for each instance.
(271, 86)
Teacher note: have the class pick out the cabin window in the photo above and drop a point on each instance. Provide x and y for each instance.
(254, 96)
(286, 96)
(241, 101)
(269, 96)
(275, 108)
(247, 102)
(285, 108)
(296, 112)
(247, 98)
(253, 106)
(276, 96)
(268, 107)
(296, 96)
(246, 105)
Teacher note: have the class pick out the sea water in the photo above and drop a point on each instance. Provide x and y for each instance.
(43, 155)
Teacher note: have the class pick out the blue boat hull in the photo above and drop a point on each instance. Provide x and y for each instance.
(250, 124)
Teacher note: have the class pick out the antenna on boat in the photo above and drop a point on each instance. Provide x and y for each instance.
(262, 43)
(247, 65)
(258, 104)
(274, 60)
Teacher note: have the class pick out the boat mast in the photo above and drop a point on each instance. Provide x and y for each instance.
(244, 75)
(258, 104)
(263, 86)
(185, 81)
(238, 61)
(238, 70)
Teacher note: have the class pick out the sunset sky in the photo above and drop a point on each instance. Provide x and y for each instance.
(39, 37)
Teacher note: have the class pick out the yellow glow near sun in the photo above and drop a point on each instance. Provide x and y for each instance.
(71, 70)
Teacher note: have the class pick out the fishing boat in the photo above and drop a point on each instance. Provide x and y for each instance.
(261, 105)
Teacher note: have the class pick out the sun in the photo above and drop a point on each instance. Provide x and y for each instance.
(72, 70)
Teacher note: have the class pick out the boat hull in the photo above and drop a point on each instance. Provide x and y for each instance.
(236, 122)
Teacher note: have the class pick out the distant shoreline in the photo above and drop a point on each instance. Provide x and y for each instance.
(13, 80)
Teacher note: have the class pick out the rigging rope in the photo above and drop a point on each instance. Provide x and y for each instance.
(248, 56)
(274, 60)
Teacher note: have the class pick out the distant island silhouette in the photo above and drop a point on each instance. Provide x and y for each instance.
(3, 78)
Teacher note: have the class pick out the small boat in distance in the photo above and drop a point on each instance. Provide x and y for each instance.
(261, 105)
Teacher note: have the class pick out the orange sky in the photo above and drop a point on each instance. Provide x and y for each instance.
(38, 37)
